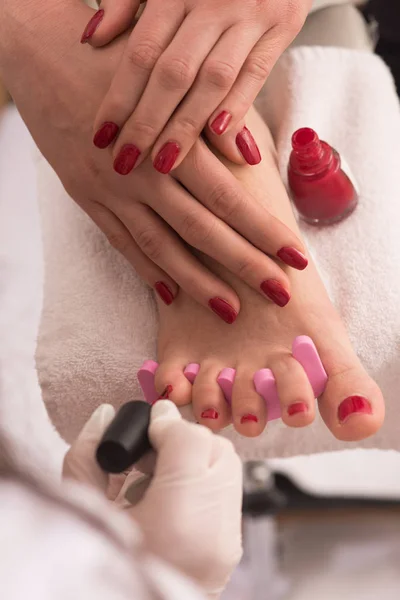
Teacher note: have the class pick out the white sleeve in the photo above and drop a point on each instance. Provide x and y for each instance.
(49, 553)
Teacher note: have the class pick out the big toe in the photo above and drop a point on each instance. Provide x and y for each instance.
(352, 404)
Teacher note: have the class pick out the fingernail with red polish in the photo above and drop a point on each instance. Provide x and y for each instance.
(166, 158)
(126, 159)
(223, 310)
(92, 26)
(352, 405)
(221, 122)
(164, 292)
(210, 413)
(275, 292)
(248, 147)
(105, 135)
(293, 258)
(297, 408)
(249, 419)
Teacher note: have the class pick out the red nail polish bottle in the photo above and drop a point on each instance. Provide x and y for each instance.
(321, 190)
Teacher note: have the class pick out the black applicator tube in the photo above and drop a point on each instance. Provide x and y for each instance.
(126, 439)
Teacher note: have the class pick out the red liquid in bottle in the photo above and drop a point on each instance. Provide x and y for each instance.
(321, 191)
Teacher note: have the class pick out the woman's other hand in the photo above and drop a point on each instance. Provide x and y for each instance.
(187, 64)
(190, 514)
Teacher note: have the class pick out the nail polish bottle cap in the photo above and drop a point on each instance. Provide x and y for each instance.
(126, 439)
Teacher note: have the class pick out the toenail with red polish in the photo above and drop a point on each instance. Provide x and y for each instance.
(275, 292)
(224, 310)
(126, 159)
(210, 413)
(352, 405)
(105, 135)
(249, 419)
(164, 292)
(293, 258)
(166, 393)
(297, 408)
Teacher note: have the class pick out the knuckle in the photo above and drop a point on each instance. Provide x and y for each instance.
(118, 241)
(219, 74)
(189, 127)
(195, 231)
(224, 201)
(245, 268)
(141, 131)
(144, 55)
(148, 242)
(176, 74)
(294, 15)
(258, 67)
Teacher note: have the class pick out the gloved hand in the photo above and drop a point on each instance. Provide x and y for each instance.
(190, 514)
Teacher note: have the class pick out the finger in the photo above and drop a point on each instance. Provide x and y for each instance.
(226, 198)
(171, 79)
(215, 78)
(80, 463)
(120, 238)
(226, 144)
(252, 76)
(184, 449)
(151, 36)
(203, 231)
(112, 19)
(163, 247)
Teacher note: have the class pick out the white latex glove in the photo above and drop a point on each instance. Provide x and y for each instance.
(190, 514)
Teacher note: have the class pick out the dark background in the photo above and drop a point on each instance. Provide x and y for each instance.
(387, 14)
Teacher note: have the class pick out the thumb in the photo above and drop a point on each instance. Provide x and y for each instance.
(112, 19)
(226, 144)
(80, 462)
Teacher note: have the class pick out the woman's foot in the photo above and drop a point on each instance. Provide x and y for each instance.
(351, 406)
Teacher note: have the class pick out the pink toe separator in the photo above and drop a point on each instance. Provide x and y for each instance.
(225, 381)
(264, 382)
(305, 352)
(145, 377)
(191, 372)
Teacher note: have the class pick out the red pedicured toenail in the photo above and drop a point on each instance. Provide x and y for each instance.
(105, 135)
(354, 404)
(166, 393)
(223, 310)
(293, 258)
(164, 292)
(275, 292)
(210, 413)
(249, 419)
(297, 408)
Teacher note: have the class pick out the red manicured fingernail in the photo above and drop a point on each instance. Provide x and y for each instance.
(210, 413)
(275, 292)
(221, 122)
(164, 292)
(166, 158)
(293, 258)
(354, 404)
(126, 159)
(296, 408)
(248, 147)
(105, 134)
(249, 419)
(92, 26)
(223, 310)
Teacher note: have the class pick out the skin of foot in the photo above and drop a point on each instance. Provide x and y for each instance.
(352, 405)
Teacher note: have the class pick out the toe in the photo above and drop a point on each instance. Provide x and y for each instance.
(209, 405)
(170, 373)
(352, 404)
(249, 413)
(295, 392)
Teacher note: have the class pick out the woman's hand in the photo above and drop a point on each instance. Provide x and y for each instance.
(149, 218)
(190, 514)
(187, 63)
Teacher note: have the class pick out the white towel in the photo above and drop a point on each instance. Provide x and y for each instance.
(100, 321)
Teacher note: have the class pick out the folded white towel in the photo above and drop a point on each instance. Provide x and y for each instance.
(100, 321)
